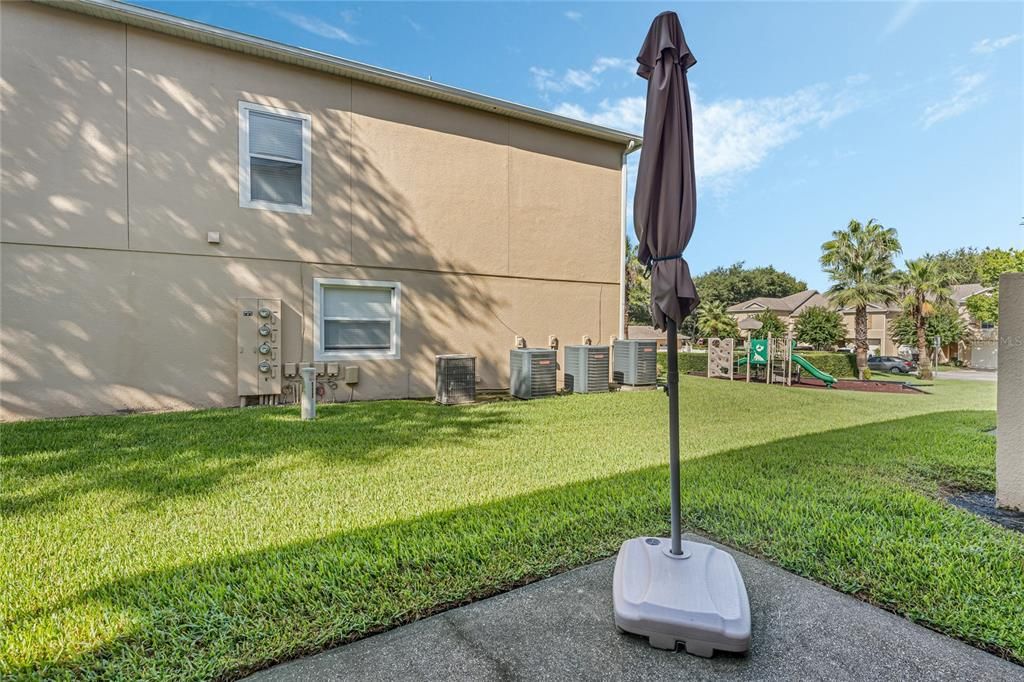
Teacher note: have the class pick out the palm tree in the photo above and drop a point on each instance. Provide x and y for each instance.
(859, 261)
(714, 321)
(926, 286)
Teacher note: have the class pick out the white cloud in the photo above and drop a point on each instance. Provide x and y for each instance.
(902, 15)
(319, 27)
(573, 15)
(602, 64)
(548, 80)
(966, 96)
(734, 136)
(624, 114)
(990, 45)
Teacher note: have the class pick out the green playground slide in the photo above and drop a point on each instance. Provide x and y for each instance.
(811, 369)
(814, 371)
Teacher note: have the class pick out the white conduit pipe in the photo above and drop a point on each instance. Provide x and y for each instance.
(632, 147)
(308, 392)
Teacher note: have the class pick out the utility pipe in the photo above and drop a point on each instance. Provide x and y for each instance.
(308, 392)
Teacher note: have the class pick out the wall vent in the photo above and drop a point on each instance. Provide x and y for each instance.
(586, 369)
(455, 379)
(533, 372)
(636, 362)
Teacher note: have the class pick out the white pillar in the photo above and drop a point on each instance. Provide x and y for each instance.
(1010, 429)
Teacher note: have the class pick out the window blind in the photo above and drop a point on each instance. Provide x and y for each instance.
(275, 136)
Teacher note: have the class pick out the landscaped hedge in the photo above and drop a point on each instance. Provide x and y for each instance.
(839, 365)
(688, 362)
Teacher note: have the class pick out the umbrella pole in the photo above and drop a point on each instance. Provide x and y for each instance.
(673, 434)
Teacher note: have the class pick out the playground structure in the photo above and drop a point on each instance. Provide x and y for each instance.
(720, 358)
(772, 355)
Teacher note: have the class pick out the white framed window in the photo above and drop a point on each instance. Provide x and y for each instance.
(274, 170)
(356, 318)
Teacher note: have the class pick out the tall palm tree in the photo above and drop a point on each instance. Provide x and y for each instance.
(926, 286)
(859, 261)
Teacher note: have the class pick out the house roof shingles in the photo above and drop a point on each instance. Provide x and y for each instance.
(788, 305)
(794, 304)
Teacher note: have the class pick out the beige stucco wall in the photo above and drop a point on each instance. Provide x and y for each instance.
(120, 153)
(1010, 438)
(879, 330)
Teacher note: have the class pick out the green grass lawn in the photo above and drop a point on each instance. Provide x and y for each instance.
(207, 544)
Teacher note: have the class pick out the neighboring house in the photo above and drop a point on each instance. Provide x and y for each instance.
(641, 331)
(980, 352)
(166, 184)
(646, 332)
(787, 308)
(880, 319)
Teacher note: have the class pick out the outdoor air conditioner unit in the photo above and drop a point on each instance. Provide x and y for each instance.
(455, 379)
(636, 362)
(586, 369)
(533, 372)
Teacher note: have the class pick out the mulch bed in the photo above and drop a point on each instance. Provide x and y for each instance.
(984, 504)
(857, 385)
(842, 385)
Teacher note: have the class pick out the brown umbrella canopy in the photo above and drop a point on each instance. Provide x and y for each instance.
(665, 203)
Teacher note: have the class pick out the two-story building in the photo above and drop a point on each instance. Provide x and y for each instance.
(190, 215)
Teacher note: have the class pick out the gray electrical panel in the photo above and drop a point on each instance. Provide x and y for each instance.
(636, 362)
(533, 372)
(259, 346)
(586, 369)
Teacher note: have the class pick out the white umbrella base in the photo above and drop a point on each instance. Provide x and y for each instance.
(698, 599)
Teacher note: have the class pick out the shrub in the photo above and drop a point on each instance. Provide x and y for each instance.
(820, 327)
(839, 365)
(688, 362)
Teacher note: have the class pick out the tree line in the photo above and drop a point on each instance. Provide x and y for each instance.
(860, 261)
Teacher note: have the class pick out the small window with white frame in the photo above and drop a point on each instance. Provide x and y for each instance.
(356, 318)
(274, 171)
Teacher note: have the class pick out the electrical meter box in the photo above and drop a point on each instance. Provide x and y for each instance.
(259, 346)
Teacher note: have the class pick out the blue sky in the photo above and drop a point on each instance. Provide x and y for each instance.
(806, 114)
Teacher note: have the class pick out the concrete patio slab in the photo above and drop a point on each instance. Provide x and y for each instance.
(561, 629)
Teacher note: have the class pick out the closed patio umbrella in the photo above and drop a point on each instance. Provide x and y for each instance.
(664, 591)
(665, 204)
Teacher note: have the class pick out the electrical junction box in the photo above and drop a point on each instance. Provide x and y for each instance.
(259, 346)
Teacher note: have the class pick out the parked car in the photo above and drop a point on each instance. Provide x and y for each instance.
(891, 363)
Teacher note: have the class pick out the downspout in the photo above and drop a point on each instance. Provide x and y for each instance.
(630, 148)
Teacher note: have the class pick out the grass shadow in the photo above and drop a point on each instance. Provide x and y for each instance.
(854, 508)
(158, 457)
